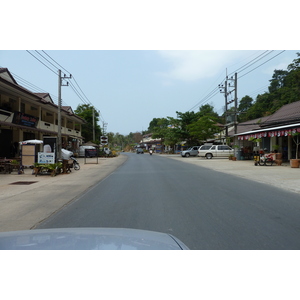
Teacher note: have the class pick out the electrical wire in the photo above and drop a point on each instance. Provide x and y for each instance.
(255, 60)
(46, 60)
(56, 62)
(81, 91)
(262, 64)
(41, 62)
(211, 94)
(77, 93)
(80, 94)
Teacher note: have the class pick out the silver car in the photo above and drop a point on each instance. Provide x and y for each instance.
(192, 151)
(216, 151)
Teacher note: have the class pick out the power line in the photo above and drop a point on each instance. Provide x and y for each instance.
(82, 91)
(208, 89)
(42, 62)
(46, 60)
(56, 62)
(208, 96)
(255, 60)
(80, 94)
(261, 64)
(77, 93)
(211, 94)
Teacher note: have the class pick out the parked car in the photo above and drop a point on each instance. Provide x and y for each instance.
(193, 151)
(205, 147)
(139, 151)
(216, 151)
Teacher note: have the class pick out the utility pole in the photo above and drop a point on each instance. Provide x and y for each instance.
(60, 84)
(228, 91)
(234, 88)
(235, 104)
(223, 89)
(94, 124)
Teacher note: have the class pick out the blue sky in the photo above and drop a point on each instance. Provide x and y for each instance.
(138, 60)
(130, 88)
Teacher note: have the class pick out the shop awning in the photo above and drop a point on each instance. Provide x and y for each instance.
(284, 130)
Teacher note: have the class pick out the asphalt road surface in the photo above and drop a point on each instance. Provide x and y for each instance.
(203, 208)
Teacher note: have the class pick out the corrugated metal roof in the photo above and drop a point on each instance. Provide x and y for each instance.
(287, 114)
(285, 117)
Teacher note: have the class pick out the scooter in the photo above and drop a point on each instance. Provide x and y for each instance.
(76, 165)
(150, 152)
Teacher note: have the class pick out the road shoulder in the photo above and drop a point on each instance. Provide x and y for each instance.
(24, 206)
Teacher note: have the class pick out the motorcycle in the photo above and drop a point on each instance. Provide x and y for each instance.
(264, 160)
(150, 152)
(76, 165)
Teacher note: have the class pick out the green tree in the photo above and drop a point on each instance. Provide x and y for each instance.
(245, 104)
(153, 124)
(204, 128)
(85, 111)
(284, 88)
(278, 80)
(160, 131)
(184, 120)
(207, 110)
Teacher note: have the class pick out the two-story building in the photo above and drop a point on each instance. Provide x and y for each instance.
(25, 115)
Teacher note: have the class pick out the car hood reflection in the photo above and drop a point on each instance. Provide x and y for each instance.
(89, 239)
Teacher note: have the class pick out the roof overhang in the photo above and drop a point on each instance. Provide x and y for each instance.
(269, 132)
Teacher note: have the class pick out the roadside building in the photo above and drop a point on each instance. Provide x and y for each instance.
(25, 115)
(148, 143)
(274, 131)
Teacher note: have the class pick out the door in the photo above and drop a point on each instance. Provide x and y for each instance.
(227, 151)
(6, 149)
(194, 151)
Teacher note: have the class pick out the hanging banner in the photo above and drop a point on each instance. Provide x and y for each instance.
(273, 133)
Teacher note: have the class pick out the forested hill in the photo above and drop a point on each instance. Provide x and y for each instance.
(284, 88)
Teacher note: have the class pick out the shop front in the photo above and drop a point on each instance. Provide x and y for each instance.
(276, 139)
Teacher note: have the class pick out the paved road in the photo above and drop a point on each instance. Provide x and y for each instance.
(204, 208)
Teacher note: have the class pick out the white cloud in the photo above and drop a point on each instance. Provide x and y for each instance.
(193, 65)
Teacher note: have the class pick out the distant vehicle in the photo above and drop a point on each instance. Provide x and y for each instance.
(81, 151)
(216, 151)
(193, 151)
(89, 239)
(139, 151)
